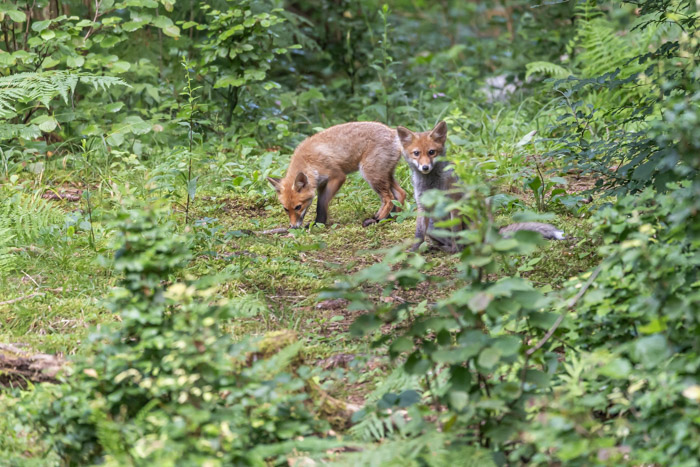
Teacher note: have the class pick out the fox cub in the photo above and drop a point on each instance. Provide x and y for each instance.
(425, 154)
(321, 163)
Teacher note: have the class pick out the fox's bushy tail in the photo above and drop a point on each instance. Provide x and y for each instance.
(548, 231)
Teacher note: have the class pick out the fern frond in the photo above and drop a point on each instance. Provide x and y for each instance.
(7, 259)
(9, 131)
(27, 217)
(546, 68)
(248, 306)
(601, 47)
(45, 86)
(397, 381)
(107, 432)
(372, 427)
(429, 449)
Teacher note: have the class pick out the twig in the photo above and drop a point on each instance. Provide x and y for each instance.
(31, 295)
(19, 299)
(454, 314)
(279, 230)
(94, 20)
(571, 305)
(30, 278)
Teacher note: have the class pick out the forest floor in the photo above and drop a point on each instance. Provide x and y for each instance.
(58, 293)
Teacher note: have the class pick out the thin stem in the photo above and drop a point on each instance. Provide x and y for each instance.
(571, 305)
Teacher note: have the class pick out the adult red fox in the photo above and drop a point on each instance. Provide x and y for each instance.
(322, 161)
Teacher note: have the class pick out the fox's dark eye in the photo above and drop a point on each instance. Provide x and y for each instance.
(416, 153)
(431, 152)
(286, 210)
(298, 207)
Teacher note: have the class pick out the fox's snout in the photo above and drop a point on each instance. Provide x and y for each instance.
(425, 168)
(296, 221)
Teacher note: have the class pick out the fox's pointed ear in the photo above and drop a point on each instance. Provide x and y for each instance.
(405, 135)
(439, 133)
(301, 181)
(275, 182)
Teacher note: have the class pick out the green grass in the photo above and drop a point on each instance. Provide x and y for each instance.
(275, 278)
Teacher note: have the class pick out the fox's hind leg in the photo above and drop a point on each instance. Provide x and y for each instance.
(382, 186)
(378, 171)
(398, 192)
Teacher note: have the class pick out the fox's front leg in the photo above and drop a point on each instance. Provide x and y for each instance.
(421, 228)
(456, 228)
(326, 192)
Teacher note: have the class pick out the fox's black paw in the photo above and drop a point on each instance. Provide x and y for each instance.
(368, 222)
(415, 247)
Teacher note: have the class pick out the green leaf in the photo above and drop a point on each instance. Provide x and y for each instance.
(543, 319)
(538, 378)
(17, 16)
(651, 351)
(416, 364)
(172, 31)
(526, 139)
(192, 188)
(402, 344)
(113, 107)
(656, 325)
(75, 61)
(535, 184)
(505, 244)
(458, 400)
(7, 59)
(489, 357)
(120, 66)
(136, 125)
(162, 22)
(229, 80)
(619, 368)
(131, 26)
(457, 355)
(39, 26)
(644, 171)
(408, 398)
(49, 62)
(507, 345)
(480, 301)
(110, 41)
(115, 139)
(46, 123)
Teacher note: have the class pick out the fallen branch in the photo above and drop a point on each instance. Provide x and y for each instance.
(570, 306)
(280, 230)
(17, 366)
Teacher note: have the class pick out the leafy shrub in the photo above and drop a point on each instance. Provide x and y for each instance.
(635, 377)
(169, 385)
(469, 348)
